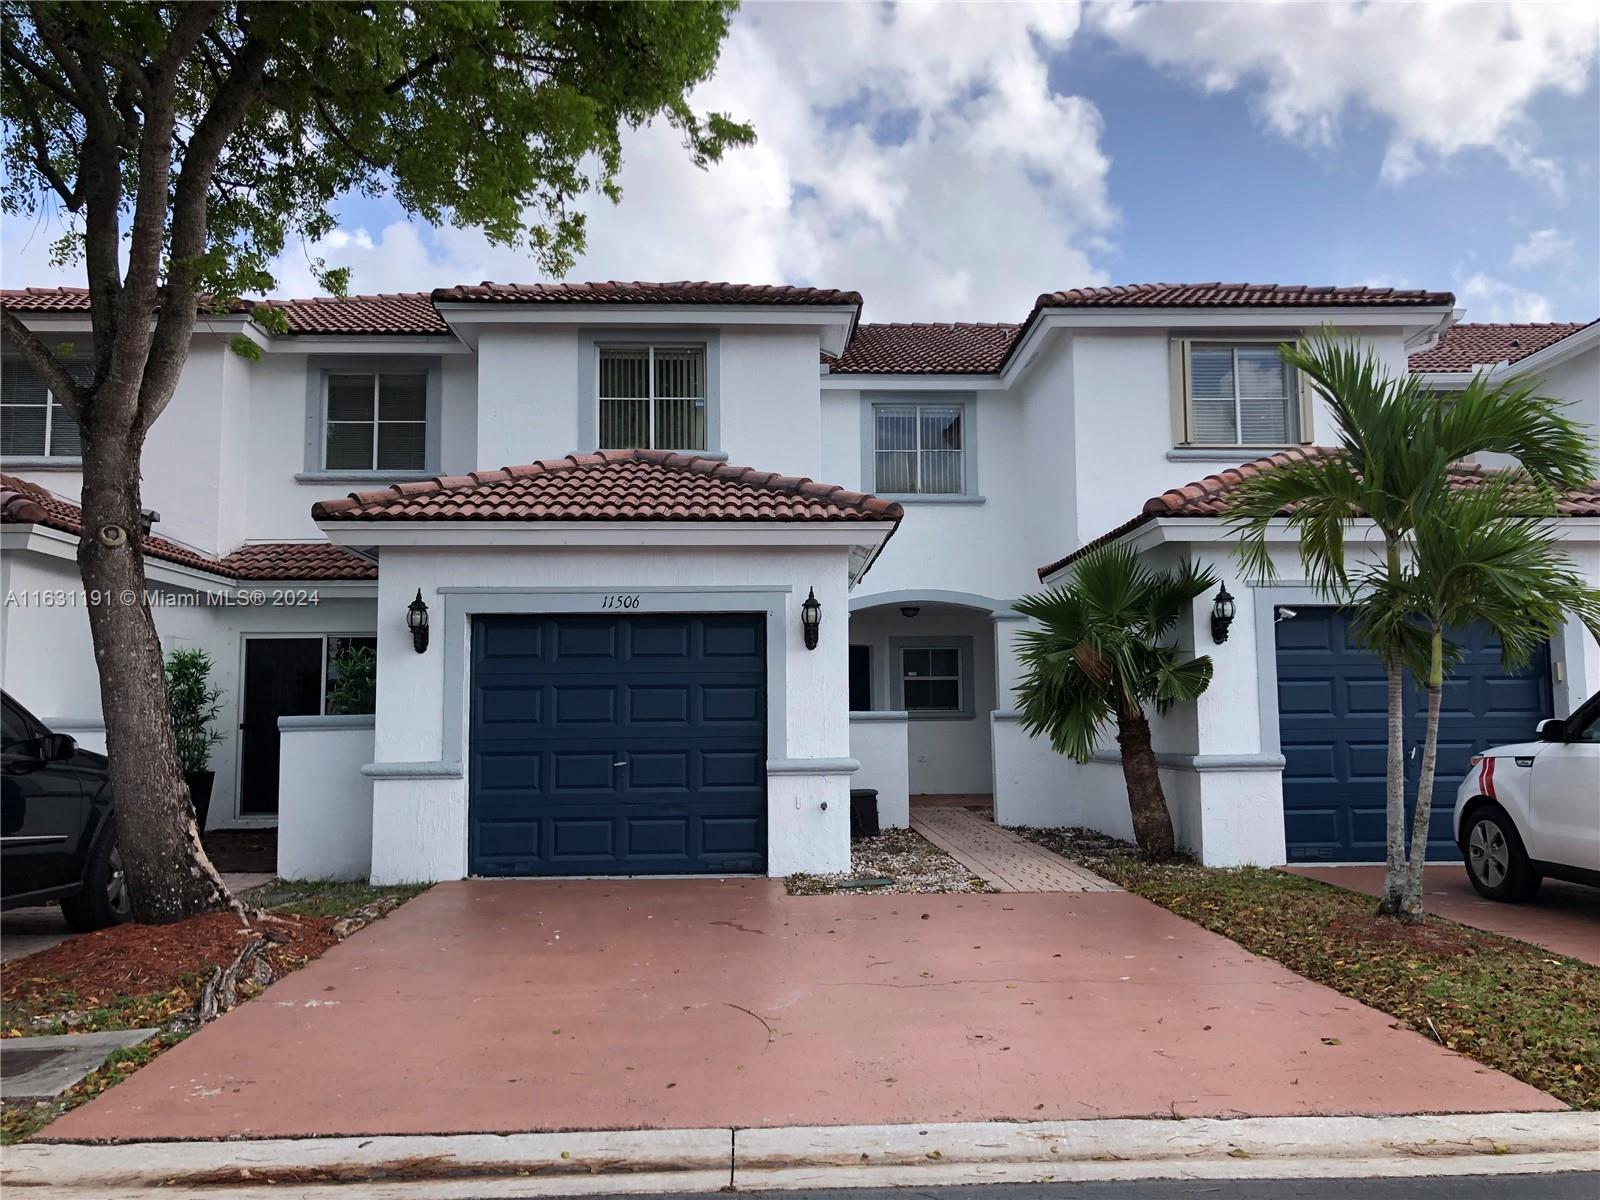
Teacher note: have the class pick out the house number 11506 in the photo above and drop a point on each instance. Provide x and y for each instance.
(620, 600)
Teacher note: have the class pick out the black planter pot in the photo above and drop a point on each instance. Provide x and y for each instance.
(200, 783)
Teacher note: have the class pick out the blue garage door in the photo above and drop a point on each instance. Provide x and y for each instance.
(618, 745)
(1332, 713)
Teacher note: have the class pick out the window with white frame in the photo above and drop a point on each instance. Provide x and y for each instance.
(930, 678)
(918, 449)
(652, 397)
(33, 423)
(1238, 393)
(376, 421)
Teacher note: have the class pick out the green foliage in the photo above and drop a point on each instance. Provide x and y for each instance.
(194, 705)
(354, 681)
(1104, 648)
(473, 114)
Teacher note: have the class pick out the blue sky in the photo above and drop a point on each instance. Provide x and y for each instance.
(953, 162)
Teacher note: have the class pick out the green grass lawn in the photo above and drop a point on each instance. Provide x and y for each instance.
(1513, 1006)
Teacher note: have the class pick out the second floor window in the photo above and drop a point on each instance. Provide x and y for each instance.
(652, 397)
(33, 423)
(918, 449)
(376, 422)
(1239, 394)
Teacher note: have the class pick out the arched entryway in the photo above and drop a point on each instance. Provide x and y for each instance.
(931, 657)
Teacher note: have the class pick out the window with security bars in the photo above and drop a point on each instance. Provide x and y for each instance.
(652, 398)
(930, 678)
(376, 421)
(1240, 394)
(918, 449)
(33, 423)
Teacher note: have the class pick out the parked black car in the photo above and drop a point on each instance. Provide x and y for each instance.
(58, 831)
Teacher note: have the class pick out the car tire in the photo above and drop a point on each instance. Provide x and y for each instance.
(104, 898)
(1497, 864)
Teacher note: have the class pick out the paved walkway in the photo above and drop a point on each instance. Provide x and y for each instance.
(497, 1006)
(1564, 917)
(1009, 863)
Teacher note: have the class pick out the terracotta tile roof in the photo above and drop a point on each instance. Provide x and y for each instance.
(1237, 295)
(395, 313)
(618, 292)
(1468, 345)
(613, 485)
(26, 503)
(1212, 496)
(297, 560)
(924, 349)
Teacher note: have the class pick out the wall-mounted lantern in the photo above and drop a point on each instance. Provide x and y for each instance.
(1221, 616)
(811, 618)
(417, 622)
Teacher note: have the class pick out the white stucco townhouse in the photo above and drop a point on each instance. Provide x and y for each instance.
(607, 501)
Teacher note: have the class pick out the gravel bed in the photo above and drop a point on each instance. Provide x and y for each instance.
(907, 859)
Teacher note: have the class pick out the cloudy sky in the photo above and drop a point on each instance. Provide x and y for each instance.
(952, 162)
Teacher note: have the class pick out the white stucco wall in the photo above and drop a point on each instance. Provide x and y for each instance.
(770, 407)
(420, 786)
(879, 742)
(324, 801)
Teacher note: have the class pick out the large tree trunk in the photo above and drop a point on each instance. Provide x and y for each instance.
(1395, 789)
(1411, 897)
(168, 873)
(1152, 824)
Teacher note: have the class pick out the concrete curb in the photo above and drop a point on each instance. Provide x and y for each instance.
(691, 1160)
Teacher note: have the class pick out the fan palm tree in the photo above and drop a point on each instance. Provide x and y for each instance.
(1393, 466)
(1102, 654)
(1481, 554)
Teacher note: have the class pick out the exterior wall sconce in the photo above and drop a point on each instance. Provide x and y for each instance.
(909, 610)
(811, 618)
(417, 622)
(1221, 616)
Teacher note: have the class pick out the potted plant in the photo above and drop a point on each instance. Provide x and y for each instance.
(353, 680)
(194, 706)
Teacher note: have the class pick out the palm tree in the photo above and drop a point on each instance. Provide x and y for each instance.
(1393, 466)
(1484, 553)
(1102, 654)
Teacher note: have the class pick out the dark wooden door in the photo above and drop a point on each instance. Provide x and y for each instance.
(282, 678)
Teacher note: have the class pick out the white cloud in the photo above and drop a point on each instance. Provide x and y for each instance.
(1445, 77)
(1490, 299)
(1542, 246)
(989, 189)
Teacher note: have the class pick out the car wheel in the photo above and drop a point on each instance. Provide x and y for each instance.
(1497, 864)
(104, 898)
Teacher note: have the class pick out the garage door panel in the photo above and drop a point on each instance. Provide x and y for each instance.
(568, 698)
(1336, 753)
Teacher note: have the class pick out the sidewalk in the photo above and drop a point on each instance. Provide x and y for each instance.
(711, 1160)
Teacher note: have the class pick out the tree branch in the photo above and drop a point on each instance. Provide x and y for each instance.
(36, 354)
(38, 139)
(52, 83)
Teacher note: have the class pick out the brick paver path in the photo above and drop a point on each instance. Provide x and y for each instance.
(1008, 862)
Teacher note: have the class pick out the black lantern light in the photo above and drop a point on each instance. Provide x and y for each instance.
(1221, 616)
(811, 618)
(417, 622)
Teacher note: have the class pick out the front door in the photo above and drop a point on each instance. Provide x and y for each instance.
(282, 678)
(618, 745)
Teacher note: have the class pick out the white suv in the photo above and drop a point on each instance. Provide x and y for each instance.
(1533, 809)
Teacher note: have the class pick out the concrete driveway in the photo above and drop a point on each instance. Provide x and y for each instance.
(538, 1005)
(1564, 917)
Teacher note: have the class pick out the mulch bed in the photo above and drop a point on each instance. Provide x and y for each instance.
(908, 860)
(131, 960)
